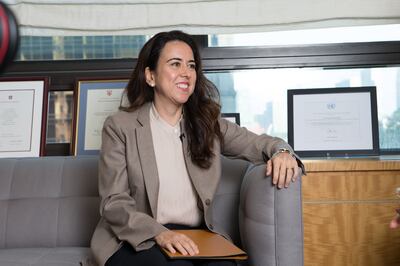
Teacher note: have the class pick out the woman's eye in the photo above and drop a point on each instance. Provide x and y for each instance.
(176, 64)
(192, 66)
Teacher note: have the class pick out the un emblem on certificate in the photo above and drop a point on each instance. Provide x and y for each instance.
(331, 106)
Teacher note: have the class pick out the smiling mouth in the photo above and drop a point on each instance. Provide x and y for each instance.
(183, 86)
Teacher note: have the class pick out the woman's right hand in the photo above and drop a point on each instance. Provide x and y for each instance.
(173, 241)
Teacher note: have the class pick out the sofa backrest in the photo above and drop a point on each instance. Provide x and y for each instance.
(48, 201)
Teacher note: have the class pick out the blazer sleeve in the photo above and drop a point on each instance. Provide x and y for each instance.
(118, 207)
(239, 142)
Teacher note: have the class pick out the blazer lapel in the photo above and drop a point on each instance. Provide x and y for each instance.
(147, 157)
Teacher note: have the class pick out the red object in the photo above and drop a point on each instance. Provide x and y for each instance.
(5, 34)
(9, 38)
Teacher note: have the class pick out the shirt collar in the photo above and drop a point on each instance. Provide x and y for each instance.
(157, 116)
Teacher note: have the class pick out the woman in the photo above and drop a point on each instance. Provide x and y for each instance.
(160, 165)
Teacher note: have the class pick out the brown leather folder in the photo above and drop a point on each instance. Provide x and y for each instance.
(211, 246)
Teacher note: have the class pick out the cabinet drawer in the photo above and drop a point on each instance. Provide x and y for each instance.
(346, 185)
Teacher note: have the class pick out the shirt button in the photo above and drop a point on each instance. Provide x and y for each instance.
(208, 202)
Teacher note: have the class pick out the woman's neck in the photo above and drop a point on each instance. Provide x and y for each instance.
(169, 113)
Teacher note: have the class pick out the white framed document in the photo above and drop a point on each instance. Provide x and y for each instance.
(23, 108)
(333, 122)
(95, 100)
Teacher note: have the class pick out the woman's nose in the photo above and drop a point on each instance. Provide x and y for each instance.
(185, 70)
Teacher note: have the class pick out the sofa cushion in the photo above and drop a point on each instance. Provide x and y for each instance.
(48, 201)
(67, 256)
(225, 206)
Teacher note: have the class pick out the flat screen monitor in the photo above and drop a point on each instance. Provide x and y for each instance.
(333, 122)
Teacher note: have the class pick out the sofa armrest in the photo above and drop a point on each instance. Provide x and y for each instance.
(270, 220)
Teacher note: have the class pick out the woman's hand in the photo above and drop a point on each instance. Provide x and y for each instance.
(284, 169)
(174, 241)
(395, 223)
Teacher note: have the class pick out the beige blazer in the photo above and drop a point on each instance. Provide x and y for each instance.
(128, 178)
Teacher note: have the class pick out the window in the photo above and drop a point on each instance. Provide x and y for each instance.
(103, 47)
(376, 33)
(260, 95)
(79, 47)
(59, 117)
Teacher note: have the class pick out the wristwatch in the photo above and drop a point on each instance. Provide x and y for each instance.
(282, 150)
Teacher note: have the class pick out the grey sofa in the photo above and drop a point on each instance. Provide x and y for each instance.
(49, 209)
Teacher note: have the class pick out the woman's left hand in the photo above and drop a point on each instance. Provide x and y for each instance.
(283, 168)
(395, 223)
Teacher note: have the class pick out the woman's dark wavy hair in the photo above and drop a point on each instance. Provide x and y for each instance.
(202, 109)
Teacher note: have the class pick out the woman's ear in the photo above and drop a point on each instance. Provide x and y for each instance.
(149, 77)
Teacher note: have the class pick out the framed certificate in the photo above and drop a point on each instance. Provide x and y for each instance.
(233, 117)
(333, 122)
(95, 100)
(23, 109)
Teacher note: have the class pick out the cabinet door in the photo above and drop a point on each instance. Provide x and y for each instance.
(346, 215)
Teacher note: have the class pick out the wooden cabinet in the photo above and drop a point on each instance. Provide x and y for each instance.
(347, 207)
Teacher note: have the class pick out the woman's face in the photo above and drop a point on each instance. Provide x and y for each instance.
(174, 78)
